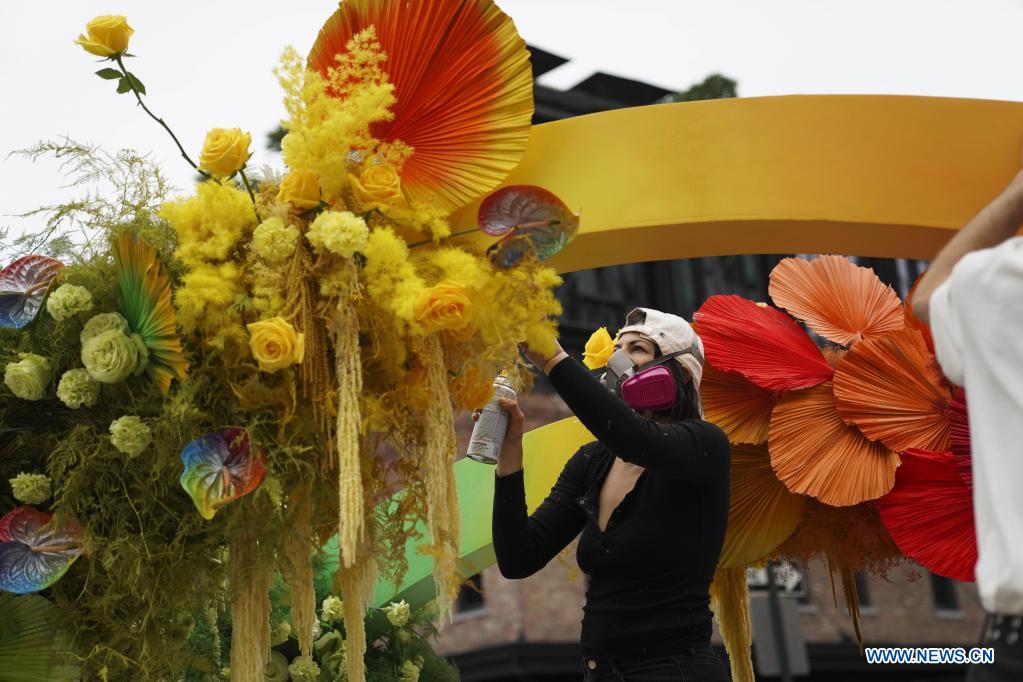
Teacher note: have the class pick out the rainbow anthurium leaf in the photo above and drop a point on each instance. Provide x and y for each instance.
(531, 211)
(23, 286)
(34, 551)
(220, 467)
(146, 303)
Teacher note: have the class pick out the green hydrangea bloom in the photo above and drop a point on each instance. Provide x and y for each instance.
(130, 435)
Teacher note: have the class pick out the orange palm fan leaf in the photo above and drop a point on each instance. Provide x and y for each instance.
(740, 408)
(890, 387)
(464, 89)
(761, 343)
(959, 436)
(840, 301)
(913, 321)
(762, 513)
(815, 453)
(929, 514)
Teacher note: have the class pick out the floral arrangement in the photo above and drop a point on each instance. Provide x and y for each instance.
(206, 388)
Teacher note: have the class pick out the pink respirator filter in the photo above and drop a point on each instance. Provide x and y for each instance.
(651, 389)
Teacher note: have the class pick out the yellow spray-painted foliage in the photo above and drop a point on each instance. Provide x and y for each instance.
(210, 223)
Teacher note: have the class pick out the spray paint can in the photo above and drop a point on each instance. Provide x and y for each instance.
(492, 425)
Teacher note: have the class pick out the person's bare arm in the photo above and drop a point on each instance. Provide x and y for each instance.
(995, 223)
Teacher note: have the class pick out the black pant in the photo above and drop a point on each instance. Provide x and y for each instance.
(1004, 633)
(700, 664)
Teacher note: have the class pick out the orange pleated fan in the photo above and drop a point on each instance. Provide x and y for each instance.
(815, 453)
(463, 84)
(762, 513)
(890, 387)
(959, 436)
(840, 301)
(761, 343)
(738, 407)
(913, 321)
(929, 514)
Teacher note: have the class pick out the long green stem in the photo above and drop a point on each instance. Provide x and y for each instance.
(159, 120)
(454, 234)
(248, 188)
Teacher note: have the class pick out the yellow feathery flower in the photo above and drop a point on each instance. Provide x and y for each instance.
(209, 224)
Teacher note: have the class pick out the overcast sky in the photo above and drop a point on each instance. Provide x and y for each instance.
(209, 63)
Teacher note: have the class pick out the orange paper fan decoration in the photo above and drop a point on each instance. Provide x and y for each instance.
(890, 388)
(929, 514)
(815, 453)
(761, 343)
(913, 321)
(840, 301)
(464, 90)
(738, 407)
(762, 513)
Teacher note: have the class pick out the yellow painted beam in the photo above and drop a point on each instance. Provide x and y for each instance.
(855, 175)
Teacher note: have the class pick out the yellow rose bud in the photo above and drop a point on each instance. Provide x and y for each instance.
(225, 151)
(599, 349)
(106, 36)
(378, 186)
(301, 189)
(444, 306)
(275, 344)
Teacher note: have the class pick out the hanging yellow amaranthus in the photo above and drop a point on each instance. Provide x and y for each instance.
(348, 370)
(298, 548)
(729, 598)
(442, 515)
(250, 576)
(357, 583)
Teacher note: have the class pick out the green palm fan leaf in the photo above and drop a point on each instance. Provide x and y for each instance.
(146, 304)
(32, 649)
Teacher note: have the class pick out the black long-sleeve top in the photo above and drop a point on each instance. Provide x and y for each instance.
(649, 572)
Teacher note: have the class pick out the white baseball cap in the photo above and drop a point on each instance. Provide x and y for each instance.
(672, 334)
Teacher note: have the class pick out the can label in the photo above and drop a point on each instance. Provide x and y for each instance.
(491, 427)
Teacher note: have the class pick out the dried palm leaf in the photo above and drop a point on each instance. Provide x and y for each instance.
(815, 453)
(840, 301)
(891, 389)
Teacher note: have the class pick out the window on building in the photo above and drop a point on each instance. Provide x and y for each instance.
(863, 593)
(470, 596)
(946, 599)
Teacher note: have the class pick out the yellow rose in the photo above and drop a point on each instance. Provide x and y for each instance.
(275, 345)
(106, 36)
(378, 186)
(444, 306)
(225, 151)
(599, 349)
(301, 189)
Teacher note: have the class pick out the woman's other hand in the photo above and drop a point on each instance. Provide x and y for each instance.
(510, 459)
(540, 360)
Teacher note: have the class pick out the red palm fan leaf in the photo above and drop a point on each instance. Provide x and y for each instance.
(840, 301)
(913, 321)
(959, 436)
(740, 408)
(815, 453)
(762, 513)
(890, 387)
(761, 343)
(929, 514)
(463, 84)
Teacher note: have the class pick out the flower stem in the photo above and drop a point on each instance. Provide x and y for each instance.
(157, 119)
(248, 188)
(453, 234)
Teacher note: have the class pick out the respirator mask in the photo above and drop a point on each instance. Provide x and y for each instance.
(650, 386)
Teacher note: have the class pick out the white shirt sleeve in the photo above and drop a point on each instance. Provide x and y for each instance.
(946, 328)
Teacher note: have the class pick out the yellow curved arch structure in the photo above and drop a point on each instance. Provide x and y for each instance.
(856, 175)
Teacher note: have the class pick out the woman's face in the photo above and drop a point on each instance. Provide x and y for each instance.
(641, 350)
